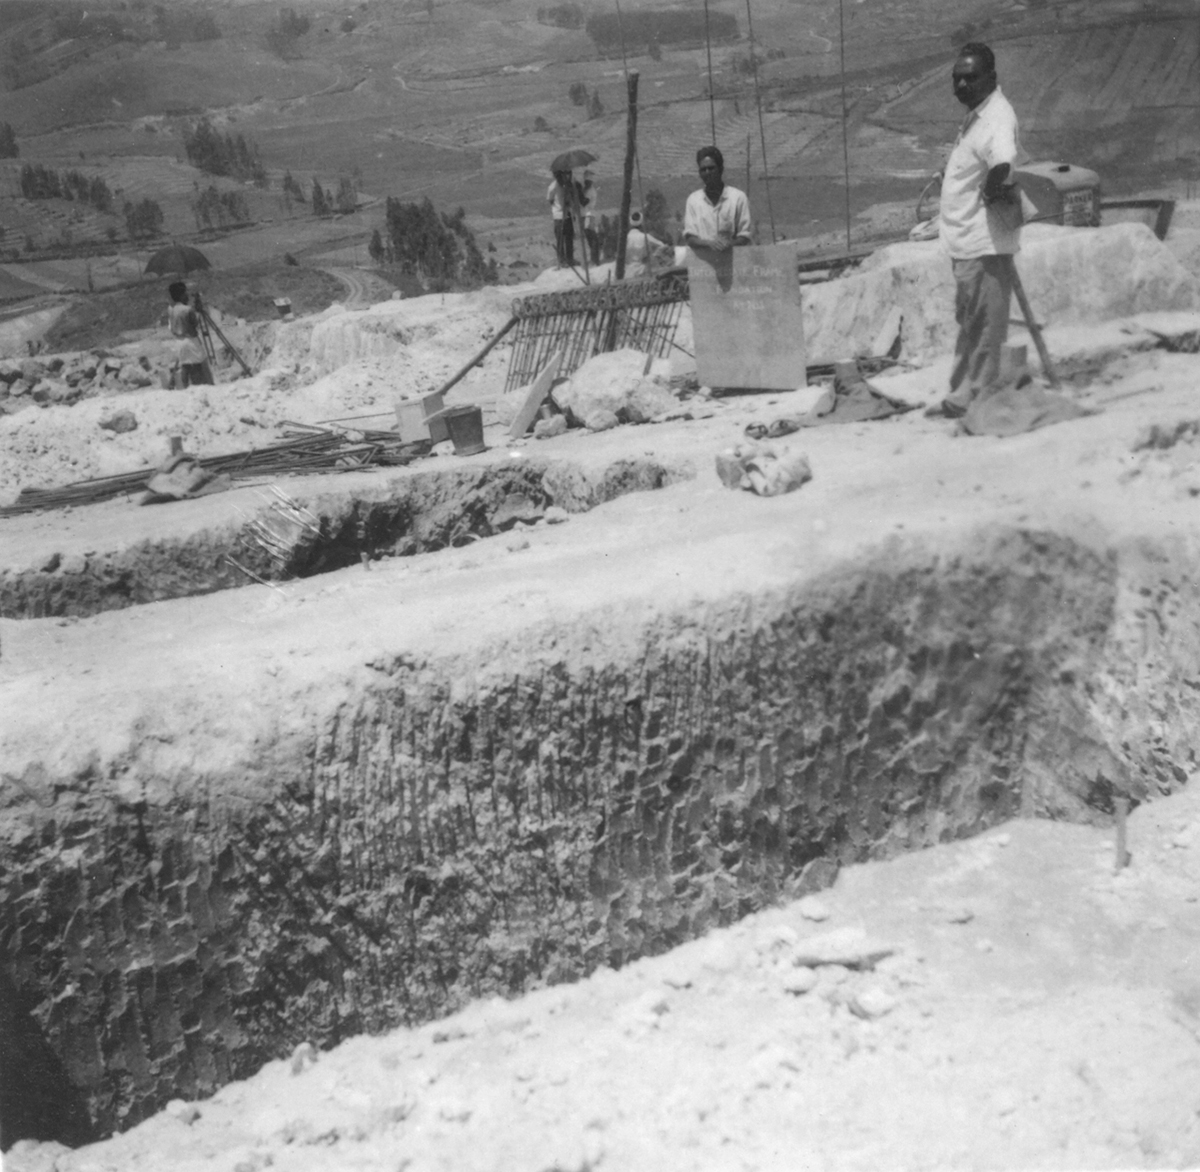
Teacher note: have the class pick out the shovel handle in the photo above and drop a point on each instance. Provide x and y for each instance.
(1035, 331)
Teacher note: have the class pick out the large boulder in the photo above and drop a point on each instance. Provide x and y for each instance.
(616, 382)
(1071, 275)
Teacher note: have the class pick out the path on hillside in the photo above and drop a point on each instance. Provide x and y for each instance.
(359, 296)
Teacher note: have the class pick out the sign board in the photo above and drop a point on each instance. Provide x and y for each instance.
(746, 317)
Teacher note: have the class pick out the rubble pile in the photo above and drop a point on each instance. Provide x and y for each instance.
(63, 379)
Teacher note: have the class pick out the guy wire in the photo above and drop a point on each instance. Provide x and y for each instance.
(712, 101)
(761, 131)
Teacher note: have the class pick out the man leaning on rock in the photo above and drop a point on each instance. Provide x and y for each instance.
(980, 225)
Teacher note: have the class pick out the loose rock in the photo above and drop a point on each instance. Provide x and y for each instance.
(120, 422)
(850, 947)
(549, 428)
(811, 908)
(871, 1003)
(601, 420)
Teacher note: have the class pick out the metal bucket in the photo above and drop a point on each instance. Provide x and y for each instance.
(465, 425)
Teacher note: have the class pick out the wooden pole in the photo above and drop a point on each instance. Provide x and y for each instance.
(508, 325)
(631, 82)
(845, 132)
(1035, 331)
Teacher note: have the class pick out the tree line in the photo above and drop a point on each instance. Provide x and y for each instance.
(40, 182)
(434, 246)
(667, 26)
(214, 208)
(208, 150)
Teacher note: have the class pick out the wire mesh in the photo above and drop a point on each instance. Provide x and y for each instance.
(641, 315)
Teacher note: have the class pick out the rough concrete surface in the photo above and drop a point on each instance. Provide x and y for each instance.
(279, 815)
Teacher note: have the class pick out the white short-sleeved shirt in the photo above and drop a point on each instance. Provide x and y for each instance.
(969, 227)
(728, 218)
(555, 196)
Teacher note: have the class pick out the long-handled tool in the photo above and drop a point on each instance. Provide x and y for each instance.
(1035, 331)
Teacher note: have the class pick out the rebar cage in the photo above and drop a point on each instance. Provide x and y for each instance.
(640, 314)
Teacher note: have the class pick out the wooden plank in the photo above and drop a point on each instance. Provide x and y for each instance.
(536, 397)
(746, 316)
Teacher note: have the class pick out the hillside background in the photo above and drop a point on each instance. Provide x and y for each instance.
(465, 102)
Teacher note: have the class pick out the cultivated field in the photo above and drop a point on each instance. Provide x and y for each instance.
(465, 103)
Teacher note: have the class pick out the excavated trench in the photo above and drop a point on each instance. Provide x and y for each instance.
(466, 826)
(313, 533)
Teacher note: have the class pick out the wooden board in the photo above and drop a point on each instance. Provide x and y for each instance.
(538, 390)
(746, 317)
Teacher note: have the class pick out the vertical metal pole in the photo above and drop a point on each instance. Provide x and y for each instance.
(631, 82)
(845, 136)
(712, 108)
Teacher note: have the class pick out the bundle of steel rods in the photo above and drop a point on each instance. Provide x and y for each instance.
(581, 323)
(308, 449)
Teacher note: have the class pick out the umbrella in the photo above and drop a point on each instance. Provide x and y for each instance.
(177, 258)
(569, 160)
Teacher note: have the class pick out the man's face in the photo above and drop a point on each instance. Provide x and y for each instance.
(972, 83)
(710, 173)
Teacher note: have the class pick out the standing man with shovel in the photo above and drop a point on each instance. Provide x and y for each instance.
(980, 225)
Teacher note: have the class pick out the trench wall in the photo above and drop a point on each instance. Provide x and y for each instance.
(473, 827)
(404, 515)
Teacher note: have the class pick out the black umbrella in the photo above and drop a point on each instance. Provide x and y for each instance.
(177, 258)
(569, 160)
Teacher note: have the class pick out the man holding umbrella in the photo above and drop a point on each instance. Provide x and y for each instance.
(567, 198)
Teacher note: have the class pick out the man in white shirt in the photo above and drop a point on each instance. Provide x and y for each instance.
(980, 224)
(717, 217)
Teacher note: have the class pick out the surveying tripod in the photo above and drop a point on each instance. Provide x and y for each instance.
(206, 327)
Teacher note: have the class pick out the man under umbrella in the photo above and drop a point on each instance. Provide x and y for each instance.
(184, 320)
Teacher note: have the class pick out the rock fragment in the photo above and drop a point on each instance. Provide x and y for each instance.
(850, 947)
(120, 422)
(800, 980)
(871, 1003)
(812, 908)
(303, 1056)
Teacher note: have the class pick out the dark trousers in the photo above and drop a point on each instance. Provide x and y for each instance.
(983, 297)
(564, 240)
